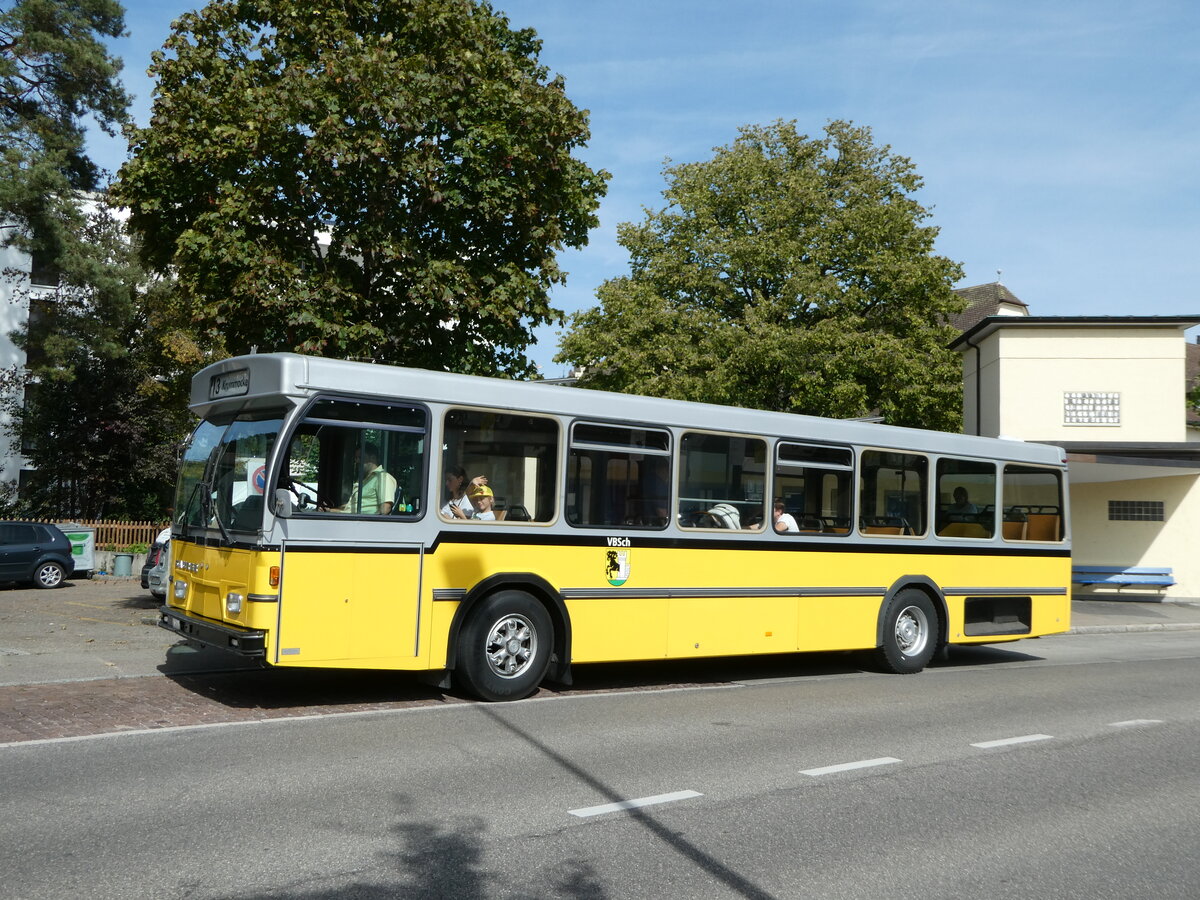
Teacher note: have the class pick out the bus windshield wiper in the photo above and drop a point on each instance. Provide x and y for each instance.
(185, 513)
(213, 512)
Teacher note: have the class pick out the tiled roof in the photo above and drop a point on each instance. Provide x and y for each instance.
(984, 300)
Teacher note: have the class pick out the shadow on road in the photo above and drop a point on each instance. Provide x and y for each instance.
(144, 600)
(439, 862)
(228, 680)
(306, 689)
(962, 657)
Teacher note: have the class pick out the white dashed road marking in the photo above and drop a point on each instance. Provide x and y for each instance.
(1004, 742)
(1133, 722)
(848, 767)
(623, 805)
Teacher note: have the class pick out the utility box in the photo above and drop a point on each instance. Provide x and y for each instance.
(83, 546)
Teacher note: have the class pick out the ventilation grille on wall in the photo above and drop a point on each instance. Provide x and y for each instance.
(1135, 510)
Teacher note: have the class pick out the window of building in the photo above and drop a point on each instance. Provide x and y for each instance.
(517, 455)
(966, 498)
(893, 487)
(1136, 511)
(813, 489)
(43, 314)
(360, 459)
(1032, 504)
(618, 476)
(722, 482)
(43, 269)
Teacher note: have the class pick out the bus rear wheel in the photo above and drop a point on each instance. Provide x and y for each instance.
(910, 633)
(504, 647)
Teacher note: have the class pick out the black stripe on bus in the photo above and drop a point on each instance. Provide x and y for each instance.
(516, 538)
(345, 548)
(702, 543)
(694, 593)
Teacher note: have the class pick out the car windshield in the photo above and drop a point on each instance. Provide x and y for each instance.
(222, 478)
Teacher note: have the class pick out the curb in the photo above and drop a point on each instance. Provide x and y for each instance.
(1132, 629)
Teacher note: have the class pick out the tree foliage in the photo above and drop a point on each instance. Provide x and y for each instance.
(786, 273)
(381, 179)
(55, 76)
(104, 413)
(99, 406)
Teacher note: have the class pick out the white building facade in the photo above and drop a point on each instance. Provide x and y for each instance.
(1112, 392)
(16, 293)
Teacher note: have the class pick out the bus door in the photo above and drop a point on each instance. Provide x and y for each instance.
(342, 603)
(351, 570)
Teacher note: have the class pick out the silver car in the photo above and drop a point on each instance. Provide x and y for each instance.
(158, 577)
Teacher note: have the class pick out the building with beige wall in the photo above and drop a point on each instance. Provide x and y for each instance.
(1112, 392)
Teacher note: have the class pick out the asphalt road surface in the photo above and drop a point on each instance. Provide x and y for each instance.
(1064, 767)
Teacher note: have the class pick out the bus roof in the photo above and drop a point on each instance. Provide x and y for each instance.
(258, 380)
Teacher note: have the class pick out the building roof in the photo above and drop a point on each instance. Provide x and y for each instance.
(984, 327)
(985, 300)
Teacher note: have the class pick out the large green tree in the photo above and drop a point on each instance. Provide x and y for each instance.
(381, 179)
(99, 406)
(102, 417)
(56, 76)
(790, 273)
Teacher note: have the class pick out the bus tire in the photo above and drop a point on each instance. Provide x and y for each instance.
(504, 647)
(910, 633)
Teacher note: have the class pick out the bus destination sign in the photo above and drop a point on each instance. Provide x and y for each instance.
(229, 384)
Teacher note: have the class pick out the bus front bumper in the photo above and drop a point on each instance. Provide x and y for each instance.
(243, 641)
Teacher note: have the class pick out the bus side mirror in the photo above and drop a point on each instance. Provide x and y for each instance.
(283, 503)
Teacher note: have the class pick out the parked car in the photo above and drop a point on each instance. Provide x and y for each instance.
(33, 552)
(153, 554)
(159, 576)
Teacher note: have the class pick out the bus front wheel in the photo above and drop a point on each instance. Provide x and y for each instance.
(504, 647)
(910, 633)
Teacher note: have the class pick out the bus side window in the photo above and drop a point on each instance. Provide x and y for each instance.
(516, 453)
(358, 458)
(893, 488)
(722, 482)
(618, 476)
(813, 489)
(1032, 504)
(966, 498)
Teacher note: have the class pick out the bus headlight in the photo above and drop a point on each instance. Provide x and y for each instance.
(180, 589)
(233, 603)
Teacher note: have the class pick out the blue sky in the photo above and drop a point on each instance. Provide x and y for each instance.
(1057, 140)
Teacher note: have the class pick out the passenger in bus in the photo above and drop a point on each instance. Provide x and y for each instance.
(482, 499)
(459, 505)
(374, 492)
(784, 522)
(723, 515)
(962, 505)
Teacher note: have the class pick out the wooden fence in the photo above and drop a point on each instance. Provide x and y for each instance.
(121, 535)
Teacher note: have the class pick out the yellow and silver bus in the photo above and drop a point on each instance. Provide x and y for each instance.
(342, 514)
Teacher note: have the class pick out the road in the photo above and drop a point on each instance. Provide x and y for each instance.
(1064, 767)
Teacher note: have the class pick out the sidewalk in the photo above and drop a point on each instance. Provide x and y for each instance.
(1121, 616)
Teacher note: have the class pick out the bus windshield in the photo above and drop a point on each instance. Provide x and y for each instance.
(222, 478)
